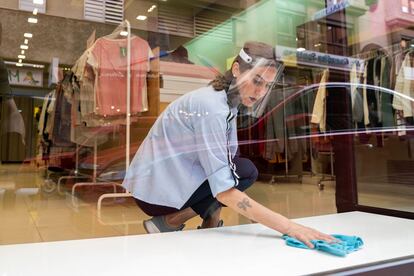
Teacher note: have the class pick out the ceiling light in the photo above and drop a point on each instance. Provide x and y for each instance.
(141, 17)
(24, 47)
(35, 11)
(152, 8)
(19, 64)
(25, 64)
(28, 35)
(26, 41)
(22, 52)
(124, 33)
(21, 56)
(38, 2)
(20, 60)
(32, 20)
(300, 49)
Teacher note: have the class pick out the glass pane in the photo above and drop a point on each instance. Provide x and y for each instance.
(384, 156)
(158, 105)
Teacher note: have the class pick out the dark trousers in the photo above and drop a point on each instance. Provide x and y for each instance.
(202, 200)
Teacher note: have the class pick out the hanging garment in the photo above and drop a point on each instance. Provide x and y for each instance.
(44, 141)
(319, 107)
(356, 98)
(281, 124)
(386, 97)
(42, 118)
(378, 94)
(85, 78)
(372, 94)
(365, 97)
(275, 125)
(404, 85)
(108, 58)
(61, 128)
(50, 116)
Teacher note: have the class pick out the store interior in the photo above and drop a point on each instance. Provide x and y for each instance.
(339, 115)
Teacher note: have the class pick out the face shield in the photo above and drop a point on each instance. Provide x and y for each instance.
(256, 83)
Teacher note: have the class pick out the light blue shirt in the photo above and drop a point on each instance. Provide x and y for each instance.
(194, 139)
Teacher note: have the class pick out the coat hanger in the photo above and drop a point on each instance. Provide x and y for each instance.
(121, 32)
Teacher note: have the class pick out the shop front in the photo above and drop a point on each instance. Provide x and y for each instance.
(107, 126)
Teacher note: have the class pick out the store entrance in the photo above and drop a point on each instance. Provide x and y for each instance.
(19, 122)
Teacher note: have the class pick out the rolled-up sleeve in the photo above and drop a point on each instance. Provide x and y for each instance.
(214, 153)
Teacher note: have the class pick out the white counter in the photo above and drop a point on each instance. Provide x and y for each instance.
(239, 250)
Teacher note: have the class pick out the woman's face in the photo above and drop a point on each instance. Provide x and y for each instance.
(253, 84)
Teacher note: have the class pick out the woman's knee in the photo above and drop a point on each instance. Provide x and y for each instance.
(255, 173)
(245, 168)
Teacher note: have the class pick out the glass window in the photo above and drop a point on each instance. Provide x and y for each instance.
(118, 115)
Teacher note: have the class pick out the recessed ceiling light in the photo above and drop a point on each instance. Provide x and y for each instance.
(20, 60)
(35, 11)
(26, 41)
(124, 33)
(152, 8)
(22, 52)
(19, 64)
(141, 17)
(24, 47)
(32, 20)
(28, 35)
(21, 56)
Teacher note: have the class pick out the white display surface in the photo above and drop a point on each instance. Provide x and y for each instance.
(239, 250)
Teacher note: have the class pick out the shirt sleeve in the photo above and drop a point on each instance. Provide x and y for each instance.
(214, 152)
(92, 56)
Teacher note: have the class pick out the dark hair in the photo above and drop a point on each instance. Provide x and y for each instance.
(253, 49)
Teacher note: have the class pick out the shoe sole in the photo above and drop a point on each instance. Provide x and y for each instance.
(150, 227)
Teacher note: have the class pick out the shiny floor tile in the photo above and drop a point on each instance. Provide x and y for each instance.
(31, 213)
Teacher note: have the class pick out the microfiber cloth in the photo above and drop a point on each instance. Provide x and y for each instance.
(345, 244)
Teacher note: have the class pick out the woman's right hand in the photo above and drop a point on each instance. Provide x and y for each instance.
(307, 234)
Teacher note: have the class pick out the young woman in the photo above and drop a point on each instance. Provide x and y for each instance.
(186, 166)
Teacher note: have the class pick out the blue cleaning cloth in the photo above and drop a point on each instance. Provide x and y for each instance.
(345, 244)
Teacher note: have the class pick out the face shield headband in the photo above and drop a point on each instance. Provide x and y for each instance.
(259, 107)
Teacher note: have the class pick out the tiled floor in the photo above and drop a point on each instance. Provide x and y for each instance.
(29, 214)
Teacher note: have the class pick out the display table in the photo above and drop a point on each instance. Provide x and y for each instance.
(239, 250)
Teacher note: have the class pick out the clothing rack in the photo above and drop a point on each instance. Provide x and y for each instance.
(76, 176)
(273, 177)
(125, 25)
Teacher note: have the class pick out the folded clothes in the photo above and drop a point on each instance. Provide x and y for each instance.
(344, 245)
